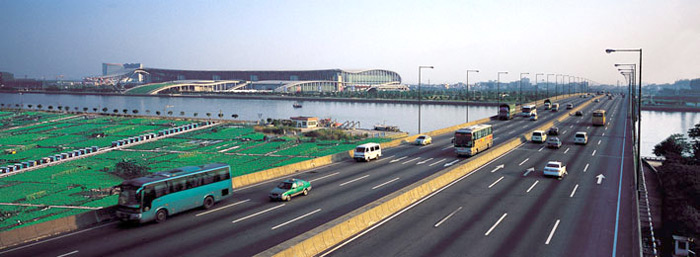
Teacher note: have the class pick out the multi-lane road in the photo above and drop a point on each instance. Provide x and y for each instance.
(249, 223)
(515, 212)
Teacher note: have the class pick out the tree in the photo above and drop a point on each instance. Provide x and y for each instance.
(115, 111)
(30, 106)
(105, 109)
(170, 113)
(125, 111)
(148, 111)
(60, 107)
(158, 113)
(221, 115)
(128, 169)
(50, 107)
(182, 113)
(39, 106)
(94, 109)
(195, 114)
(135, 111)
(85, 109)
(235, 116)
(672, 147)
(208, 114)
(694, 134)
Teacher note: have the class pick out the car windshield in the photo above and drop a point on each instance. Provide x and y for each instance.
(128, 196)
(285, 185)
(360, 149)
(553, 139)
(580, 135)
(421, 137)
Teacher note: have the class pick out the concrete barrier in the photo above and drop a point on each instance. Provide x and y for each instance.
(330, 234)
(55, 227)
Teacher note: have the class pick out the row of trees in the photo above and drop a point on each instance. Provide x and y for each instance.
(104, 110)
(679, 178)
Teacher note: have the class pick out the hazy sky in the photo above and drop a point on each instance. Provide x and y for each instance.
(72, 38)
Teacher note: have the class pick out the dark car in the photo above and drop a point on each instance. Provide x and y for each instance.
(553, 131)
(579, 113)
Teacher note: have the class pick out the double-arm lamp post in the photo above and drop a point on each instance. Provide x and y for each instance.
(498, 85)
(468, 71)
(419, 95)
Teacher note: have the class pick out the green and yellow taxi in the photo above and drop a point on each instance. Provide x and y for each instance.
(288, 188)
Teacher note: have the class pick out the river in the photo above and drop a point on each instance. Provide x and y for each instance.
(656, 125)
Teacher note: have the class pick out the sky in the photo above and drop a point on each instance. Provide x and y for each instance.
(45, 39)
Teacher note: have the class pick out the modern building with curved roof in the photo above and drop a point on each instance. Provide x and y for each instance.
(284, 81)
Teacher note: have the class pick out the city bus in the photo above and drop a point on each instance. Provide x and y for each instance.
(473, 139)
(528, 110)
(598, 118)
(162, 194)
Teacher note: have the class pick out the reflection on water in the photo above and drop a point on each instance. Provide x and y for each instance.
(405, 116)
(657, 126)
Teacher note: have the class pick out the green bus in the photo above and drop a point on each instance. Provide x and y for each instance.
(157, 196)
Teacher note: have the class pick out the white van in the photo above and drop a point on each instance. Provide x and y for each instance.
(538, 136)
(366, 152)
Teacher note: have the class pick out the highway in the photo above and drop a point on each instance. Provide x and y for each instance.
(249, 223)
(513, 212)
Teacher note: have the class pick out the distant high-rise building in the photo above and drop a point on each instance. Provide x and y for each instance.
(695, 85)
(116, 68)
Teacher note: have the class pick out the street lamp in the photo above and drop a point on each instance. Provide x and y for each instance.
(548, 82)
(537, 86)
(499, 86)
(556, 85)
(520, 84)
(419, 95)
(468, 71)
(639, 109)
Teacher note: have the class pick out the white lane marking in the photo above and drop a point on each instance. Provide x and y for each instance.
(399, 159)
(552, 233)
(383, 184)
(329, 175)
(437, 162)
(494, 183)
(447, 217)
(257, 213)
(540, 149)
(593, 154)
(588, 127)
(533, 185)
(283, 177)
(411, 160)
(424, 161)
(586, 168)
(295, 219)
(414, 204)
(574, 191)
(567, 150)
(603, 134)
(452, 162)
(56, 238)
(446, 148)
(66, 254)
(572, 126)
(606, 127)
(564, 132)
(599, 141)
(365, 176)
(521, 163)
(221, 208)
(496, 224)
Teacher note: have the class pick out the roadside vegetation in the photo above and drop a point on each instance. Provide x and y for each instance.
(680, 184)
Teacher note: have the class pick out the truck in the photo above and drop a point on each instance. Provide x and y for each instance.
(506, 111)
(555, 168)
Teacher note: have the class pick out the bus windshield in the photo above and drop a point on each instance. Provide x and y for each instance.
(597, 114)
(129, 197)
(463, 140)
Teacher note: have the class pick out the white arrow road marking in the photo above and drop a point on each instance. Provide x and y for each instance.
(600, 178)
(437, 162)
(521, 163)
(398, 160)
(528, 171)
(447, 217)
(424, 161)
(552, 233)
(498, 168)
(450, 163)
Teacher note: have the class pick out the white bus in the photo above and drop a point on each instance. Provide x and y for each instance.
(474, 139)
(528, 110)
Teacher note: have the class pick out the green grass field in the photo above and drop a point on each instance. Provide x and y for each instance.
(87, 181)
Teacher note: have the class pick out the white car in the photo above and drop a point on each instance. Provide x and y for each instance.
(533, 116)
(424, 140)
(581, 138)
(555, 168)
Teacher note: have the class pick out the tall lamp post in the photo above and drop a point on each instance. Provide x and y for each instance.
(419, 95)
(520, 84)
(556, 85)
(498, 96)
(548, 82)
(639, 109)
(468, 71)
(537, 86)
(630, 82)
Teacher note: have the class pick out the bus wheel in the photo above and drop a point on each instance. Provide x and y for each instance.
(208, 202)
(161, 215)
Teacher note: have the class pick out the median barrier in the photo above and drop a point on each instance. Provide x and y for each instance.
(334, 232)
